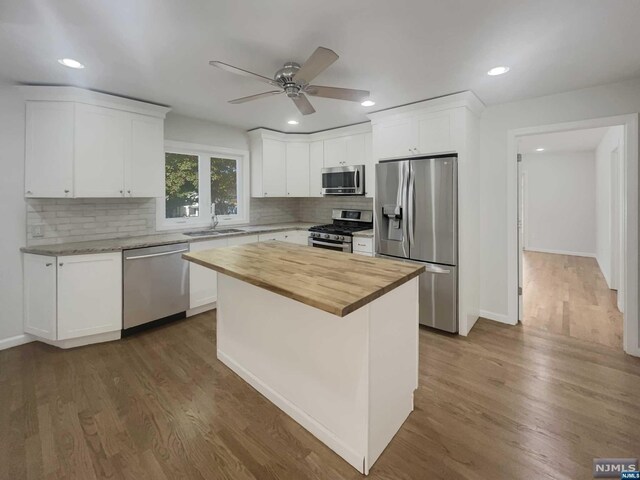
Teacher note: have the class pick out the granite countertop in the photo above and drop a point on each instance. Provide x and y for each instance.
(364, 234)
(119, 244)
(336, 282)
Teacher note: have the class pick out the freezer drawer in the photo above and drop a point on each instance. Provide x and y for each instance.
(438, 295)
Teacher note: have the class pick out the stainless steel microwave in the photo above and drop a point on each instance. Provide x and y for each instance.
(343, 180)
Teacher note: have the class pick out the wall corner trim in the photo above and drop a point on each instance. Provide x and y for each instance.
(15, 341)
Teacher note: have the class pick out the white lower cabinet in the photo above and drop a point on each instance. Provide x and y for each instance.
(243, 240)
(72, 296)
(298, 237)
(363, 246)
(203, 282)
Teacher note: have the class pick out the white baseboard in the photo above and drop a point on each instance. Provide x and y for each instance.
(15, 341)
(497, 317)
(560, 252)
(201, 309)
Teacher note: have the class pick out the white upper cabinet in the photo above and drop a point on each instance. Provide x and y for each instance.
(49, 149)
(297, 155)
(395, 139)
(101, 147)
(316, 164)
(435, 133)
(87, 144)
(335, 152)
(144, 170)
(274, 164)
(290, 165)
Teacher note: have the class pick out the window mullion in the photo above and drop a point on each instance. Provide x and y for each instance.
(204, 171)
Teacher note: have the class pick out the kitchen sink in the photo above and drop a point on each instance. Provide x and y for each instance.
(209, 233)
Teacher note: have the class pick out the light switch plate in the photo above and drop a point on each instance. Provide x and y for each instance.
(37, 231)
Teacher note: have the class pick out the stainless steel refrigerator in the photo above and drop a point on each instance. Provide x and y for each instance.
(416, 220)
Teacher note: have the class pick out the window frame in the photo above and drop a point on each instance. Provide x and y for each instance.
(204, 154)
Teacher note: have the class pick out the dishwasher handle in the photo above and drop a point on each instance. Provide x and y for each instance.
(157, 254)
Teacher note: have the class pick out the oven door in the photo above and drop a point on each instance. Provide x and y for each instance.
(335, 245)
(343, 180)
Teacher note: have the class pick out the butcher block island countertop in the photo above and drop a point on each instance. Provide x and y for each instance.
(338, 283)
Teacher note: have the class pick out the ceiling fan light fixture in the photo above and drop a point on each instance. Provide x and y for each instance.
(368, 103)
(71, 63)
(293, 122)
(501, 70)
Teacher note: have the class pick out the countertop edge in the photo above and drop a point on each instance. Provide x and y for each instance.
(52, 249)
(340, 312)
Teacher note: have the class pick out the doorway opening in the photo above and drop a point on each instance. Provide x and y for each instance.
(571, 233)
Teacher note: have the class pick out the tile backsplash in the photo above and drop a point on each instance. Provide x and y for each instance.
(319, 209)
(75, 220)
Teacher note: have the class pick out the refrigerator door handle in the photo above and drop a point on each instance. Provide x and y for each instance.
(403, 194)
(410, 202)
(434, 269)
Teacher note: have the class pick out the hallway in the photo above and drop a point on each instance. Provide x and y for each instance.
(568, 295)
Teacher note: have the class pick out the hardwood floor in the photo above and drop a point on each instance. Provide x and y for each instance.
(568, 295)
(504, 403)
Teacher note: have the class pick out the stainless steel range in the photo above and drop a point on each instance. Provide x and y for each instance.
(338, 235)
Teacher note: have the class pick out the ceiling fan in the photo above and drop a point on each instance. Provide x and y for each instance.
(294, 79)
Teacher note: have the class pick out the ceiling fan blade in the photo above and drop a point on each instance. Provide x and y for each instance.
(315, 65)
(303, 104)
(256, 97)
(337, 93)
(244, 73)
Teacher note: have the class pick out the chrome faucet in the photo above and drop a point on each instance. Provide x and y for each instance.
(214, 217)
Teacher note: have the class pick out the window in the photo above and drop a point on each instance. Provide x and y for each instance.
(201, 180)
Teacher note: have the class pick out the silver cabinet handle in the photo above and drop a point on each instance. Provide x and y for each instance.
(48, 264)
(129, 192)
(61, 264)
(29, 192)
(66, 191)
(121, 192)
(432, 269)
(157, 254)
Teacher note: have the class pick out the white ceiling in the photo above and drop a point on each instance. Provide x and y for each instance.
(402, 51)
(570, 141)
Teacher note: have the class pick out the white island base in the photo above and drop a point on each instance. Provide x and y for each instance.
(347, 380)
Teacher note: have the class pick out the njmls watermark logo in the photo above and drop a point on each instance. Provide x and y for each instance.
(615, 468)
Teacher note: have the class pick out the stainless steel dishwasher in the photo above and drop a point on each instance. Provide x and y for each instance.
(155, 285)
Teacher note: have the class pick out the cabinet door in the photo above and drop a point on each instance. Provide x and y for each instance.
(316, 164)
(203, 282)
(274, 168)
(265, 237)
(89, 294)
(335, 152)
(244, 239)
(299, 237)
(40, 295)
(49, 149)
(297, 169)
(355, 149)
(395, 139)
(434, 133)
(144, 173)
(103, 138)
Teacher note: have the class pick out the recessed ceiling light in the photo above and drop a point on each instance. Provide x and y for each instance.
(368, 103)
(540, 149)
(293, 122)
(498, 71)
(70, 62)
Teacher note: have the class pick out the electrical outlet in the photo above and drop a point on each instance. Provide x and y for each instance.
(37, 231)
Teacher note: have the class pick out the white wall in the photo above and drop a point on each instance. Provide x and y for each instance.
(602, 101)
(560, 202)
(193, 130)
(12, 212)
(613, 139)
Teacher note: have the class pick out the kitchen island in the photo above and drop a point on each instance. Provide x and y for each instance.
(331, 338)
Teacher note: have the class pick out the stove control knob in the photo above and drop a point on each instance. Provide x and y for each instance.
(326, 235)
(341, 238)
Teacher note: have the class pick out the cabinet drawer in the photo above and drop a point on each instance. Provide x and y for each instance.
(361, 244)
